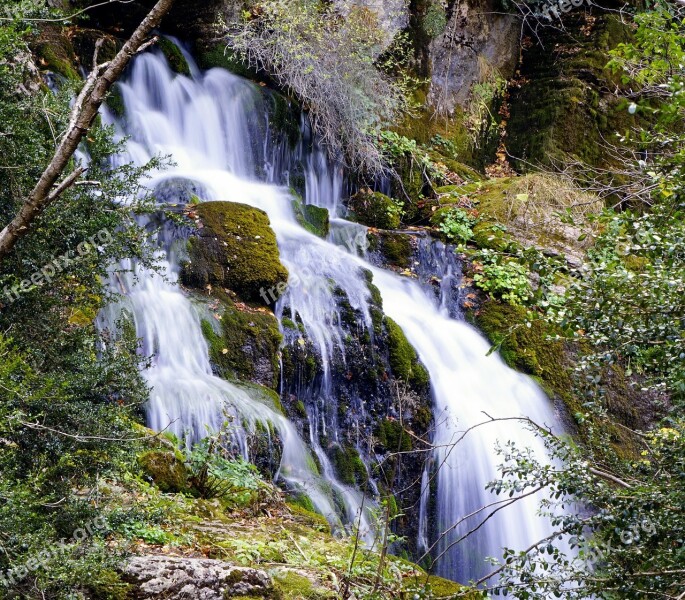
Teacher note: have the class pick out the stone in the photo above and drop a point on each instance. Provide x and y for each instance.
(180, 578)
(393, 15)
(478, 38)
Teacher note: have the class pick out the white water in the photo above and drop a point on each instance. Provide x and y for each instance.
(211, 126)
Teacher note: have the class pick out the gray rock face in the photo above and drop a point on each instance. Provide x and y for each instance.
(180, 578)
(475, 41)
(393, 15)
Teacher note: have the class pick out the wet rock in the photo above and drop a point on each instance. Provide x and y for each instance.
(236, 249)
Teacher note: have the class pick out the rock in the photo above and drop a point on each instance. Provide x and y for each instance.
(314, 219)
(564, 103)
(393, 15)
(166, 469)
(178, 190)
(180, 578)
(477, 39)
(236, 249)
(375, 210)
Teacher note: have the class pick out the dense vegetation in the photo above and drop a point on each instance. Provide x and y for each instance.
(83, 483)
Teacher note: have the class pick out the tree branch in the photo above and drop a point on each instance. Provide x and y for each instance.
(83, 114)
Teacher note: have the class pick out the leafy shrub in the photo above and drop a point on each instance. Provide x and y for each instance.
(214, 474)
(503, 277)
(457, 225)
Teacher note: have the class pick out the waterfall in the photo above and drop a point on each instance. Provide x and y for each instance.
(215, 127)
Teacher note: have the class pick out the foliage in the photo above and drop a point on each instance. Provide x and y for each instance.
(335, 65)
(630, 545)
(457, 225)
(215, 473)
(503, 277)
(623, 310)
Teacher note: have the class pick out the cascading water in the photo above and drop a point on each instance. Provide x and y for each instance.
(216, 130)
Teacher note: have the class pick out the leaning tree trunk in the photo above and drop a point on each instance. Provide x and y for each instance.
(98, 84)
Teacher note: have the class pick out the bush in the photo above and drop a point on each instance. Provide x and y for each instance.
(502, 277)
(331, 64)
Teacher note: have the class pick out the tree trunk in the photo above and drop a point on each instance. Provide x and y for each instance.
(82, 118)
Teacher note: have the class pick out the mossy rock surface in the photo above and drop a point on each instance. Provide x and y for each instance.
(166, 470)
(235, 249)
(55, 52)
(247, 347)
(174, 56)
(313, 218)
(375, 210)
(403, 359)
(393, 437)
(349, 466)
(564, 105)
(528, 349)
(396, 248)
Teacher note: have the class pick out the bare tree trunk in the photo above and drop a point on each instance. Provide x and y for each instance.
(84, 112)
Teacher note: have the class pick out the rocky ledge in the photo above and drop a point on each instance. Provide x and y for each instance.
(176, 578)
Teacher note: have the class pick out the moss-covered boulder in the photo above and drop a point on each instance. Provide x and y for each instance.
(528, 349)
(174, 56)
(564, 102)
(166, 469)
(55, 52)
(313, 218)
(244, 343)
(403, 359)
(235, 249)
(375, 210)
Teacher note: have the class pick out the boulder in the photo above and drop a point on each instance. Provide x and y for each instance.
(180, 578)
(236, 249)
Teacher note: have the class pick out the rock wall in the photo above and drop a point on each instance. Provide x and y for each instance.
(476, 40)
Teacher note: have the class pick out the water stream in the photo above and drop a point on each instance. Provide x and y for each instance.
(216, 128)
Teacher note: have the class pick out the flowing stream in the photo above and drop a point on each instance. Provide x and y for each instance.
(215, 127)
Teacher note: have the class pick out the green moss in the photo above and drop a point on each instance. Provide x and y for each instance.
(56, 53)
(293, 586)
(392, 436)
(349, 465)
(301, 500)
(310, 517)
(222, 57)
(528, 349)
(312, 218)
(375, 210)
(396, 248)
(165, 469)
(236, 249)
(174, 56)
(248, 345)
(289, 324)
(491, 236)
(263, 394)
(563, 108)
(403, 359)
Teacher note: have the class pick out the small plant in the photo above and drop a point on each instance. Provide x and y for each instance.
(214, 473)
(458, 226)
(503, 277)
